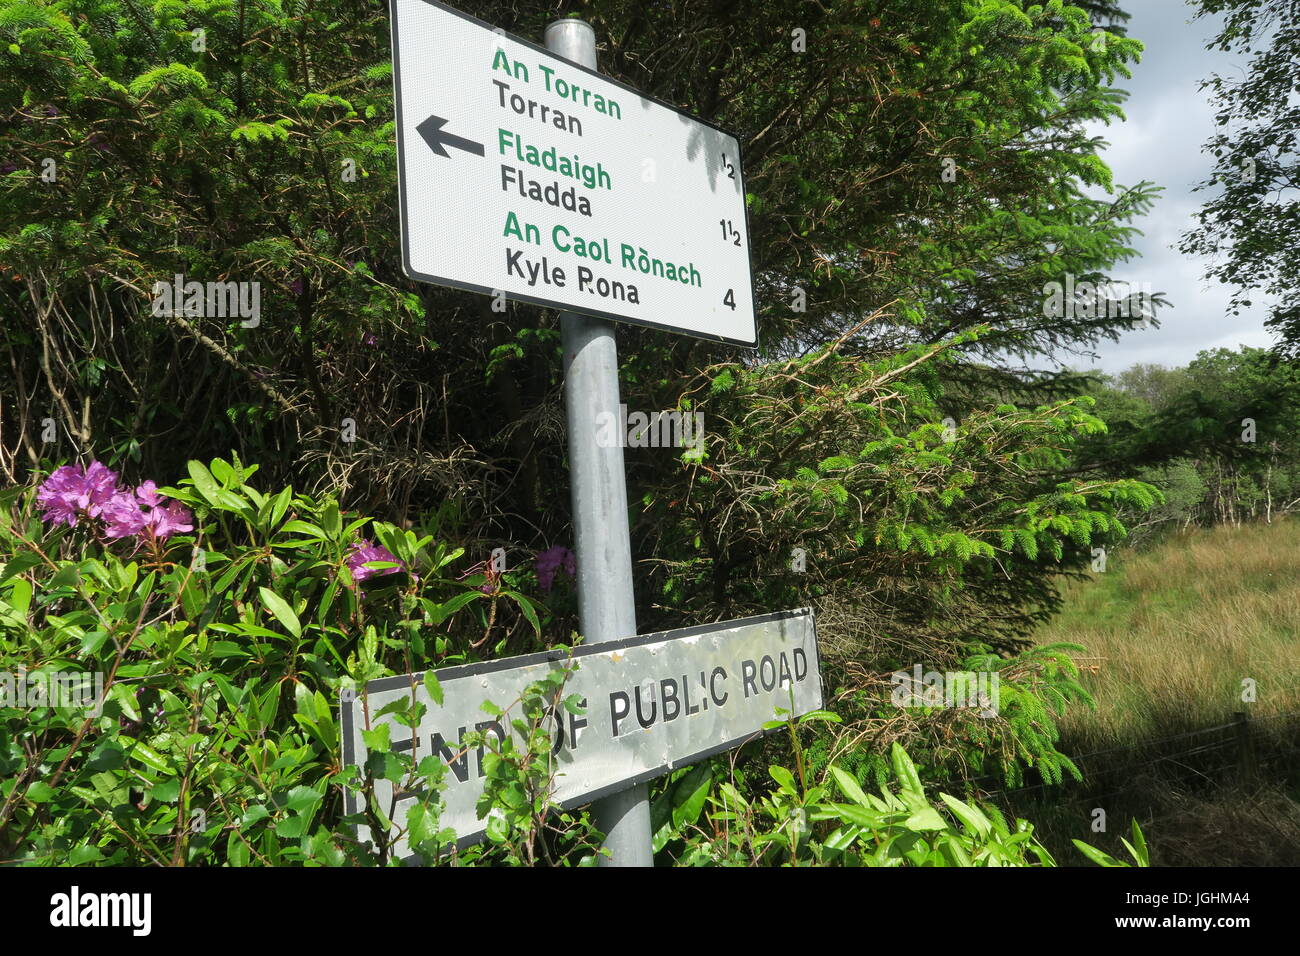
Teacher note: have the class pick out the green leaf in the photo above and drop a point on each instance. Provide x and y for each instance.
(957, 852)
(279, 505)
(330, 519)
(304, 527)
(40, 792)
(694, 788)
(377, 738)
(905, 770)
(20, 595)
(926, 818)
(858, 816)
(204, 483)
(432, 687)
(282, 611)
(530, 613)
(93, 641)
(291, 828)
(302, 799)
(971, 816)
(1097, 856)
(783, 777)
(22, 562)
(150, 757)
(1141, 854)
(498, 828)
(441, 612)
(849, 787)
(166, 792)
(421, 824)
(84, 854)
(124, 694)
(681, 805)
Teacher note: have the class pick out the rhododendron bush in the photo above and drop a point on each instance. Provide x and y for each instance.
(222, 624)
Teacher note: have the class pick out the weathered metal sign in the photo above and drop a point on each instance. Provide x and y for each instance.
(650, 704)
(522, 173)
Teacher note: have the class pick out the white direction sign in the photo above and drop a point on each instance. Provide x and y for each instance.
(524, 174)
(649, 704)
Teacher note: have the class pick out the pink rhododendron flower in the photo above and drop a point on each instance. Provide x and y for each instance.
(122, 516)
(364, 551)
(148, 494)
(166, 520)
(550, 561)
(72, 491)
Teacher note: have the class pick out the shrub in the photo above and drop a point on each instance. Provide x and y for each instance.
(218, 626)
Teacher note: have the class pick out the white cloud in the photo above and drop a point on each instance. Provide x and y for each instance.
(1168, 121)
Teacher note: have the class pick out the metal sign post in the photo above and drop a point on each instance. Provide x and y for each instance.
(606, 607)
(525, 173)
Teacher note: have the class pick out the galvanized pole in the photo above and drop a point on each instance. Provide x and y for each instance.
(606, 610)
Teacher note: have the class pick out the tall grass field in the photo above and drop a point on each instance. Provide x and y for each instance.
(1193, 658)
(1174, 634)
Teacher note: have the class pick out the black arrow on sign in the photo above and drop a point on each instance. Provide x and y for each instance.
(431, 131)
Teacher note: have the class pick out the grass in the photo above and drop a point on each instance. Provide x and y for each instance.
(1180, 628)
(1177, 630)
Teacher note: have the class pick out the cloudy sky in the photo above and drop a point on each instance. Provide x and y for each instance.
(1168, 121)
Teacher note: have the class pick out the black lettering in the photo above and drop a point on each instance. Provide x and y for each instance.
(713, 686)
(654, 707)
(556, 713)
(686, 693)
(512, 263)
(455, 758)
(766, 667)
(576, 723)
(800, 664)
(615, 712)
(784, 677)
(747, 671)
(668, 694)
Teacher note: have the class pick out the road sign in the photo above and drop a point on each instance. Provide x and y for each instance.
(650, 704)
(525, 174)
